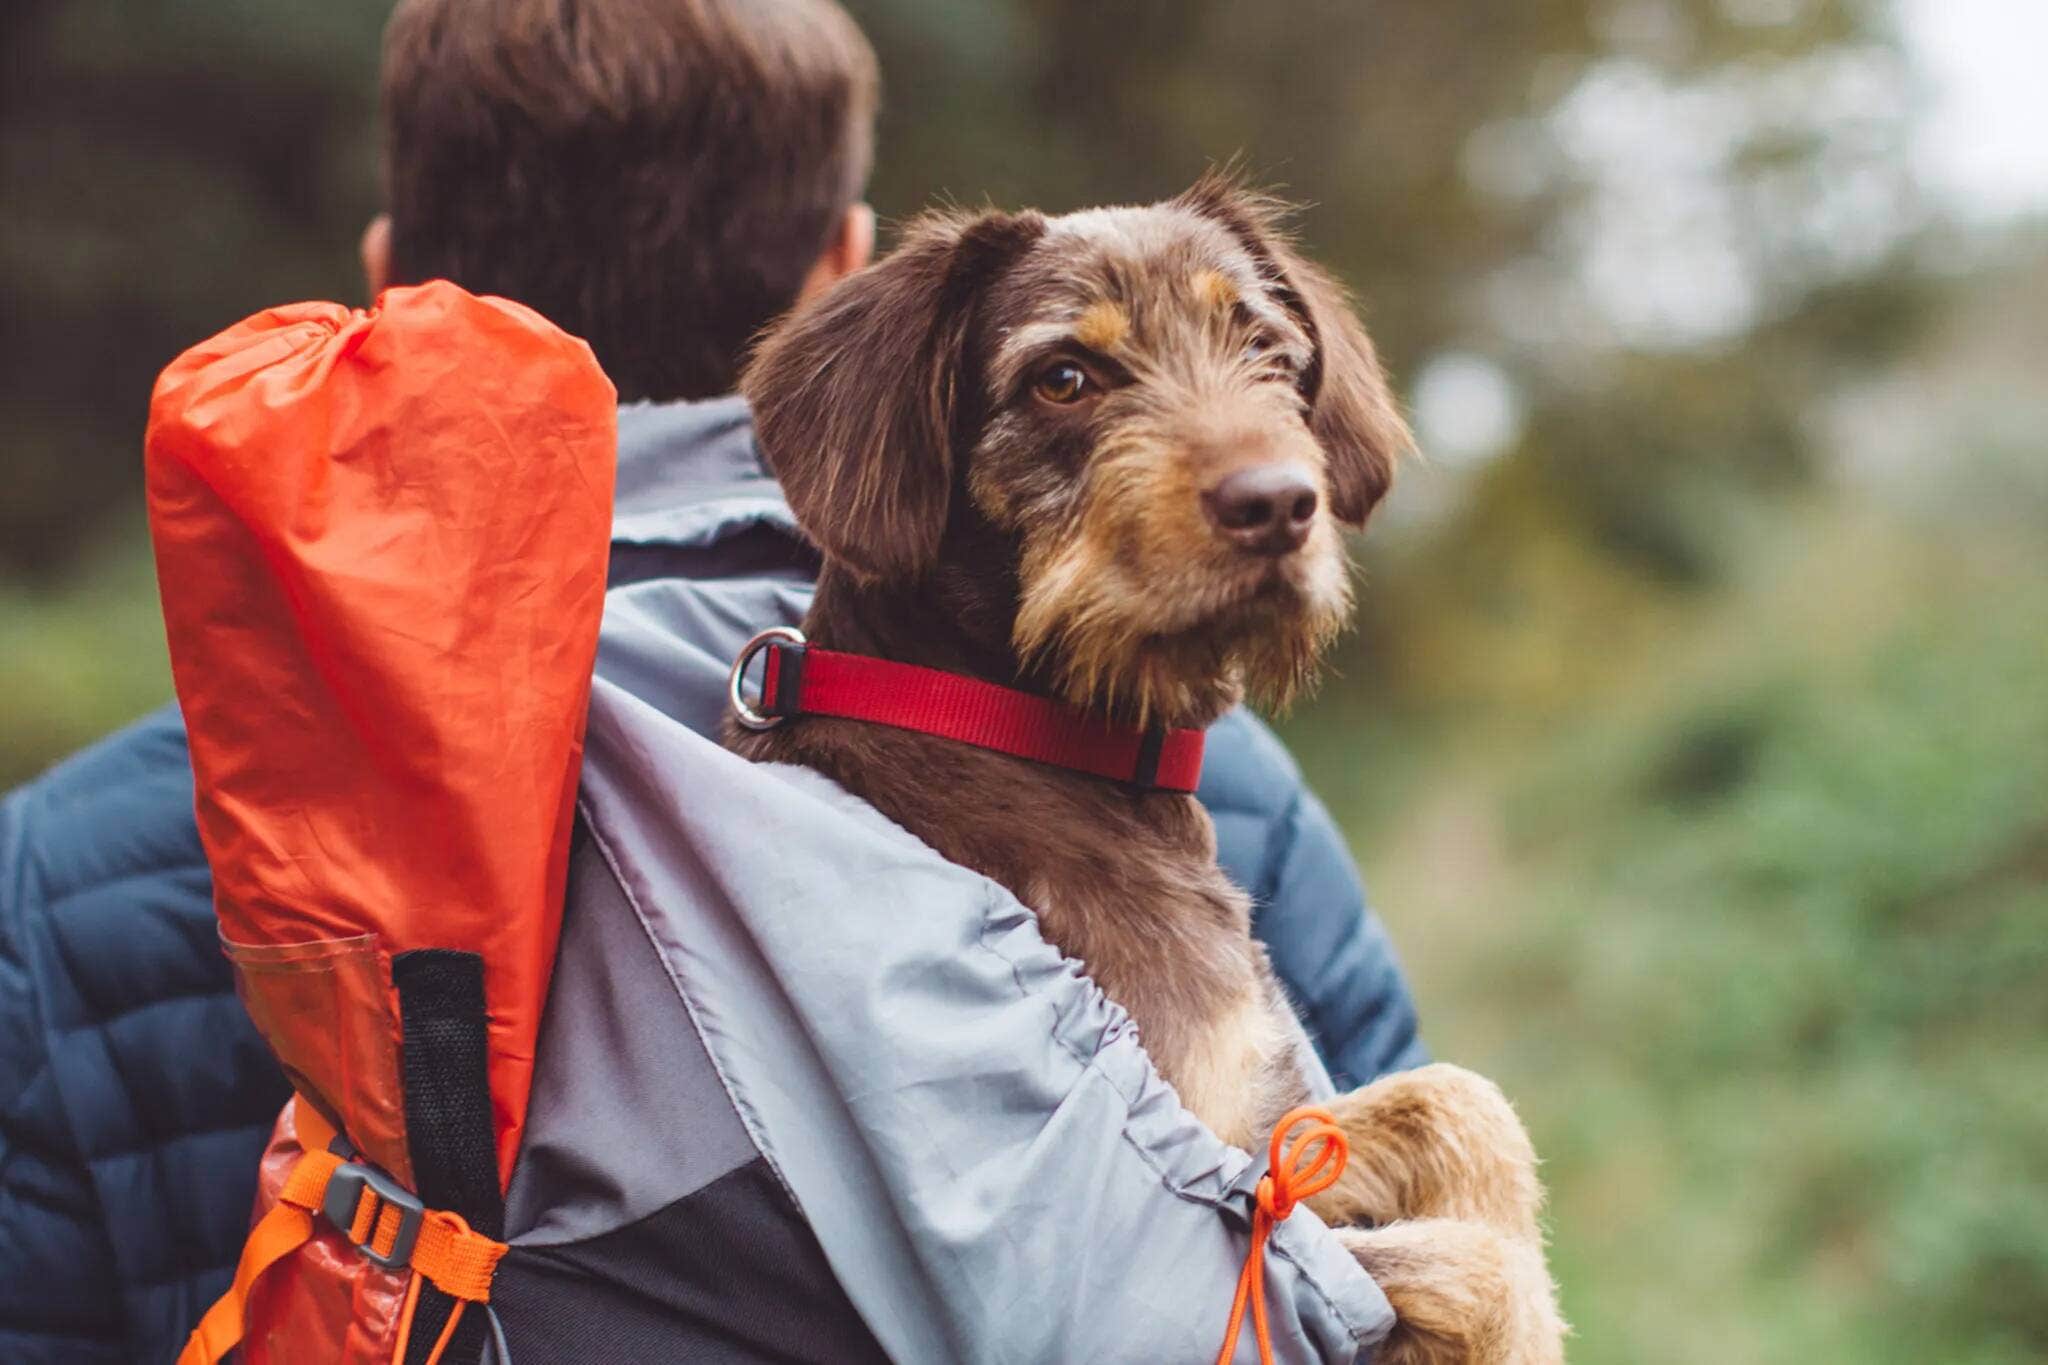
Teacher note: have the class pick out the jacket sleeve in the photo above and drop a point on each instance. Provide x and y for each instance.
(59, 1299)
(135, 1096)
(1309, 908)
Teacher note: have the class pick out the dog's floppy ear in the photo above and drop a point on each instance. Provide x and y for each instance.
(1352, 411)
(856, 396)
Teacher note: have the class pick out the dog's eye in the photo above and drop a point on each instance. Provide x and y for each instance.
(1062, 382)
(1274, 362)
(1263, 347)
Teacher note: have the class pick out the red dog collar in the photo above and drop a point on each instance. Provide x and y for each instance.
(802, 680)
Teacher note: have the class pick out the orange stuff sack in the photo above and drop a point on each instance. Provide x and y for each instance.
(381, 541)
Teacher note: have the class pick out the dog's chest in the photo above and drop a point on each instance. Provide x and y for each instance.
(1196, 987)
(1140, 902)
(1128, 887)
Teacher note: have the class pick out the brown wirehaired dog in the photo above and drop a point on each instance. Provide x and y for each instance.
(1105, 457)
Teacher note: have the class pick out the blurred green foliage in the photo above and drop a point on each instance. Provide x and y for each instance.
(1694, 737)
(1750, 918)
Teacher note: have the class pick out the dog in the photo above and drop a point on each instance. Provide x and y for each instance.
(1106, 458)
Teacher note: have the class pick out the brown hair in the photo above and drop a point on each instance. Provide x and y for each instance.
(655, 176)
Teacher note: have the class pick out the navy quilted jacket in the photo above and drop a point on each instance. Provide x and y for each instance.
(135, 1097)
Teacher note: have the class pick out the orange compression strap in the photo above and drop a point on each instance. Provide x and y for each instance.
(439, 1245)
(280, 1232)
(1295, 1171)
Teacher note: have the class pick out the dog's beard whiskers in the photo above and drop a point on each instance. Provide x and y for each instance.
(1078, 627)
(1279, 671)
(1284, 667)
(1100, 659)
(1093, 653)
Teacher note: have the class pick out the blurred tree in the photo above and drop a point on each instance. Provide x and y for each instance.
(168, 166)
(165, 167)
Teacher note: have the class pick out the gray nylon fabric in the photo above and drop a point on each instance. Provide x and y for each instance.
(599, 1154)
(755, 960)
(971, 1128)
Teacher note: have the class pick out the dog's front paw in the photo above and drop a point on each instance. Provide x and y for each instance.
(1435, 1142)
(1463, 1293)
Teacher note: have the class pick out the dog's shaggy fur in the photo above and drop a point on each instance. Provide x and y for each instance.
(1009, 439)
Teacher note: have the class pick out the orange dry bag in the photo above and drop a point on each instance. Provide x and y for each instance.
(381, 541)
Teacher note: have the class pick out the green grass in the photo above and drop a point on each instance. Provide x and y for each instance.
(80, 659)
(1755, 930)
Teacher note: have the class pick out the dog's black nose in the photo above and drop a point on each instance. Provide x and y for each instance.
(1267, 509)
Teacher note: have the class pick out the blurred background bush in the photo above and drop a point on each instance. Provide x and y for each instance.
(1695, 735)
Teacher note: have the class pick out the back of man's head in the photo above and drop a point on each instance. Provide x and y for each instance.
(658, 177)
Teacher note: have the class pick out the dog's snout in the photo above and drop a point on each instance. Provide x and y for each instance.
(1267, 509)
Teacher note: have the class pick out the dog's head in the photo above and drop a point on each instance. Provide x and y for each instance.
(1142, 427)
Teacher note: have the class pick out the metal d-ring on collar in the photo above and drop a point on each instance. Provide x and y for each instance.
(746, 715)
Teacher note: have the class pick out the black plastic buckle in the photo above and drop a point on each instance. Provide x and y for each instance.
(789, 681)
(345, 1195)
(1145, 773)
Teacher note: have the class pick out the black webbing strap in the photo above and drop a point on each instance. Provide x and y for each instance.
(789, 681)
(1145, 775)
(444, 1060)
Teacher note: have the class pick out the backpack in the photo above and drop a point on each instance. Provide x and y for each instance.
(382, 601)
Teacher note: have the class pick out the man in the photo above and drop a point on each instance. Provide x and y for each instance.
(662, 178)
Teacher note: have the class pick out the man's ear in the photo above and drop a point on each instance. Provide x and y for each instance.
(1352, 410)
(856, 395)
(852, 248)
(375, 250)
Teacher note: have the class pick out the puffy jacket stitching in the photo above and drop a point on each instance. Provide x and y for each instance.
(151, 1146)
(108, 1336)
(35, 1198)
(1288, 822)
(184, 1276)
(36, 1000)
(102, 1023)
(73, 892)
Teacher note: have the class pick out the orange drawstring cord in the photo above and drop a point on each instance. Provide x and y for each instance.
(1295, 1171)
(447, 1333)
(409, 1307)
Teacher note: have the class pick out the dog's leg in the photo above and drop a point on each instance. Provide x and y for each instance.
(1463, 1293)
(1439, 1203)
(1436, 1142)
